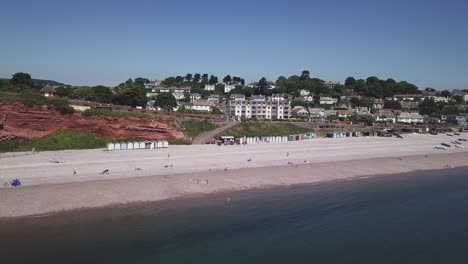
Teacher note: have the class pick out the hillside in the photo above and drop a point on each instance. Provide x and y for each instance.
(40, 82)
(22, 122)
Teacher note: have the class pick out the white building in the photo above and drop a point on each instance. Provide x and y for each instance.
(410, 118)
(237, 97)
(385, 116)
(152, 84)
(228, 88)
(308, 98)
(195, 96)
(438, 99)
(48, 91)
(209, 87)
(331, 84)
(327, 100)
(258, 98)
(198, 107)
(178, 96)
(260, 109)
(277, 97)
(213, 99)
(316, 112)
(304, 92)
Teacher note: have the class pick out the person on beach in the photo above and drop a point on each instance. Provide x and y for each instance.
(287, 154)
(106, 171)
(74, 172)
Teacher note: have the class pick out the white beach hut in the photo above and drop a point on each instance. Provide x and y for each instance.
(117, 146)
(285, 139)
(159, 144)
(141, 145)
(123, 146)
(110, 146)
(129, 145)
(136, 145)
(165, 144)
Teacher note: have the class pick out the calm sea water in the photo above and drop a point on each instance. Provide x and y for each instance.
(418, 218)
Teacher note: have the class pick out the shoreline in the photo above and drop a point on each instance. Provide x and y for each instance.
(49, 199)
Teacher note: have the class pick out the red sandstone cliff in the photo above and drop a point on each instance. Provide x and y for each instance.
(20, 121)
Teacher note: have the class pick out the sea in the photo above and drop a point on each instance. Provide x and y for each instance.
(419, 217)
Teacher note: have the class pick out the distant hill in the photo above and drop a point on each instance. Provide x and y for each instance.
(39, 82)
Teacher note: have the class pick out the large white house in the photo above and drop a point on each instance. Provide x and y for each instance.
(178, 95)
(304, 92)
(237, 97)
(277, 97)
(410, 118)
(327, 100)
(385, 116)
(198, 107)
(209, 87)
(260, 109)
(228, 88)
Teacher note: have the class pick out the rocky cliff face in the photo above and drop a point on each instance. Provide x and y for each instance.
(20, 121)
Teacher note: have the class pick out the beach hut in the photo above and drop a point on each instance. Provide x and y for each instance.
(159, 144)
(298, 137)
(279, 139)
(136, 145)
(256, 140)
(284, 139)
(110, 146)
(123, 146)
(292, 138)
(129, 145)
(117, 146)
(165, 144)
(141, 145)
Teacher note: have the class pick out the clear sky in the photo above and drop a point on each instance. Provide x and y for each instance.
(90, 42)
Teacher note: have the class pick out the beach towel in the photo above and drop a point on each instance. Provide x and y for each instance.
(15, 183)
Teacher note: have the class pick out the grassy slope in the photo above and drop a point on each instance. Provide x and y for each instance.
(193, 128)
(265, 129)
(61, 140)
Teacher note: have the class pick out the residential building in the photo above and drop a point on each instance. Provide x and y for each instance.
(379, 103)
(410, 105)
(258, 98)
(344, 113)
(160, 89)
(307, 98)
(198, 107)
(328, 113)
(152, 84)
(304, 92)
(228, 88)
(331, 84)
(438, 98)
(405, 117)
(316, 112)
(48, 91)
(407, 97)
(237, 97)
(323, 100)
(259, 109)
(178, 95)
(277, 97)
(299, 111)
(195, 96)
(384, 115)
(209, 87)
(213, 99)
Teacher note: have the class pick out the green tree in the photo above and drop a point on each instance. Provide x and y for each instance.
(188, 78)
(366, 102)
(103, 94)
(350, 82)
(131, 95)
(428, 107)
(430, 90)
(196, 78)
(213, 80)
(445, 93)
(451, 110)
(23, 80)
(166, 101)
(63, 91)
(262, 86)
(391, 104)
(141, 81)
(305, 75)
(83, 93)
(458, 99)
(227, 79)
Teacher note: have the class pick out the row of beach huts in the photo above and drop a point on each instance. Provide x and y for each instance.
(137, 145)
(343, 134)
(273, 139)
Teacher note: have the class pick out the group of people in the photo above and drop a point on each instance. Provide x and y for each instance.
(13, 183)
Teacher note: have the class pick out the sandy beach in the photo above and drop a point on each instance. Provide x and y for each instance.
(50, 185)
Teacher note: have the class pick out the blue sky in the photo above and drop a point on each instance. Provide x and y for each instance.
(106, 42)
